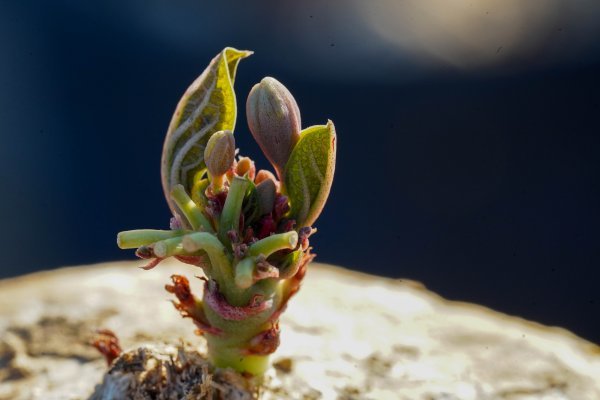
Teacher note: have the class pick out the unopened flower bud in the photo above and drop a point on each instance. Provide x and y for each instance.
(245, 166)
(219, 152)
(219, 156)
(263, 175)
(274, 120)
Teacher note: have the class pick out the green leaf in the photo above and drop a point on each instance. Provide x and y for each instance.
(230, 216)
(206, 107)
(250, 207)
(309, 173)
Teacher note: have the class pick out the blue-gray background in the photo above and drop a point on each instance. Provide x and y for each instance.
(468, 134)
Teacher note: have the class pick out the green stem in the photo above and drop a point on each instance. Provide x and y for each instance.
(213, 247)
(143, 237)
(244, 273)
(273, 243)
(230, 217)
(221, 357)
(216, 183)
(190, 210)
(169, 247)
(198, 192)
(234, 346)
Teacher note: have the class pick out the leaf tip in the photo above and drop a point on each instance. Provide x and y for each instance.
(236, 53)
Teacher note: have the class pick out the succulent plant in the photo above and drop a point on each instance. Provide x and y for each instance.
(249, 232)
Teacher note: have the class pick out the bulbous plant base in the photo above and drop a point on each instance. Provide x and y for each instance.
(344, 335)
(171, 372)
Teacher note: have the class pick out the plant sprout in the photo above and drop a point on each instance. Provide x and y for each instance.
(248, 231)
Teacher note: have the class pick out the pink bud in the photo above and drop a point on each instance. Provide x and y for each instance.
(274, 120)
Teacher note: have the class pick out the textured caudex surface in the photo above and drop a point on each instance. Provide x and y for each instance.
(247, 231)
(346, 335)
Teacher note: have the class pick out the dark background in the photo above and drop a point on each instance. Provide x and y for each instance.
(468, 137)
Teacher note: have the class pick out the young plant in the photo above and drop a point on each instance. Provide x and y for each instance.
(248, 231)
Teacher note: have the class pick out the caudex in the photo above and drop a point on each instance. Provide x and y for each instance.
(247, 230)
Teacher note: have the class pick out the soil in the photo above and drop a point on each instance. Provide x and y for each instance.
(346, 335)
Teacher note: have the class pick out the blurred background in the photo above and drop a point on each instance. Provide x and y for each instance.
(468, 134)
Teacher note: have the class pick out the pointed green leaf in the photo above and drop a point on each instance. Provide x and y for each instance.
(309, 173)
(206, 107)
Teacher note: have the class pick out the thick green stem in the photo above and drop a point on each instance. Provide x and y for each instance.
(273, 243)
(239, 346)
(230, 216)
(223, 357)
(143, 237)
(190, 210)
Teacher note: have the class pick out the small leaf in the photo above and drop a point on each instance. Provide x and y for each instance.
(250, 207)
(290, 264)
(309, 173)
(206, 107)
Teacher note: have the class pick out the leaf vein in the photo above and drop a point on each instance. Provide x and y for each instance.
(180, 155)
